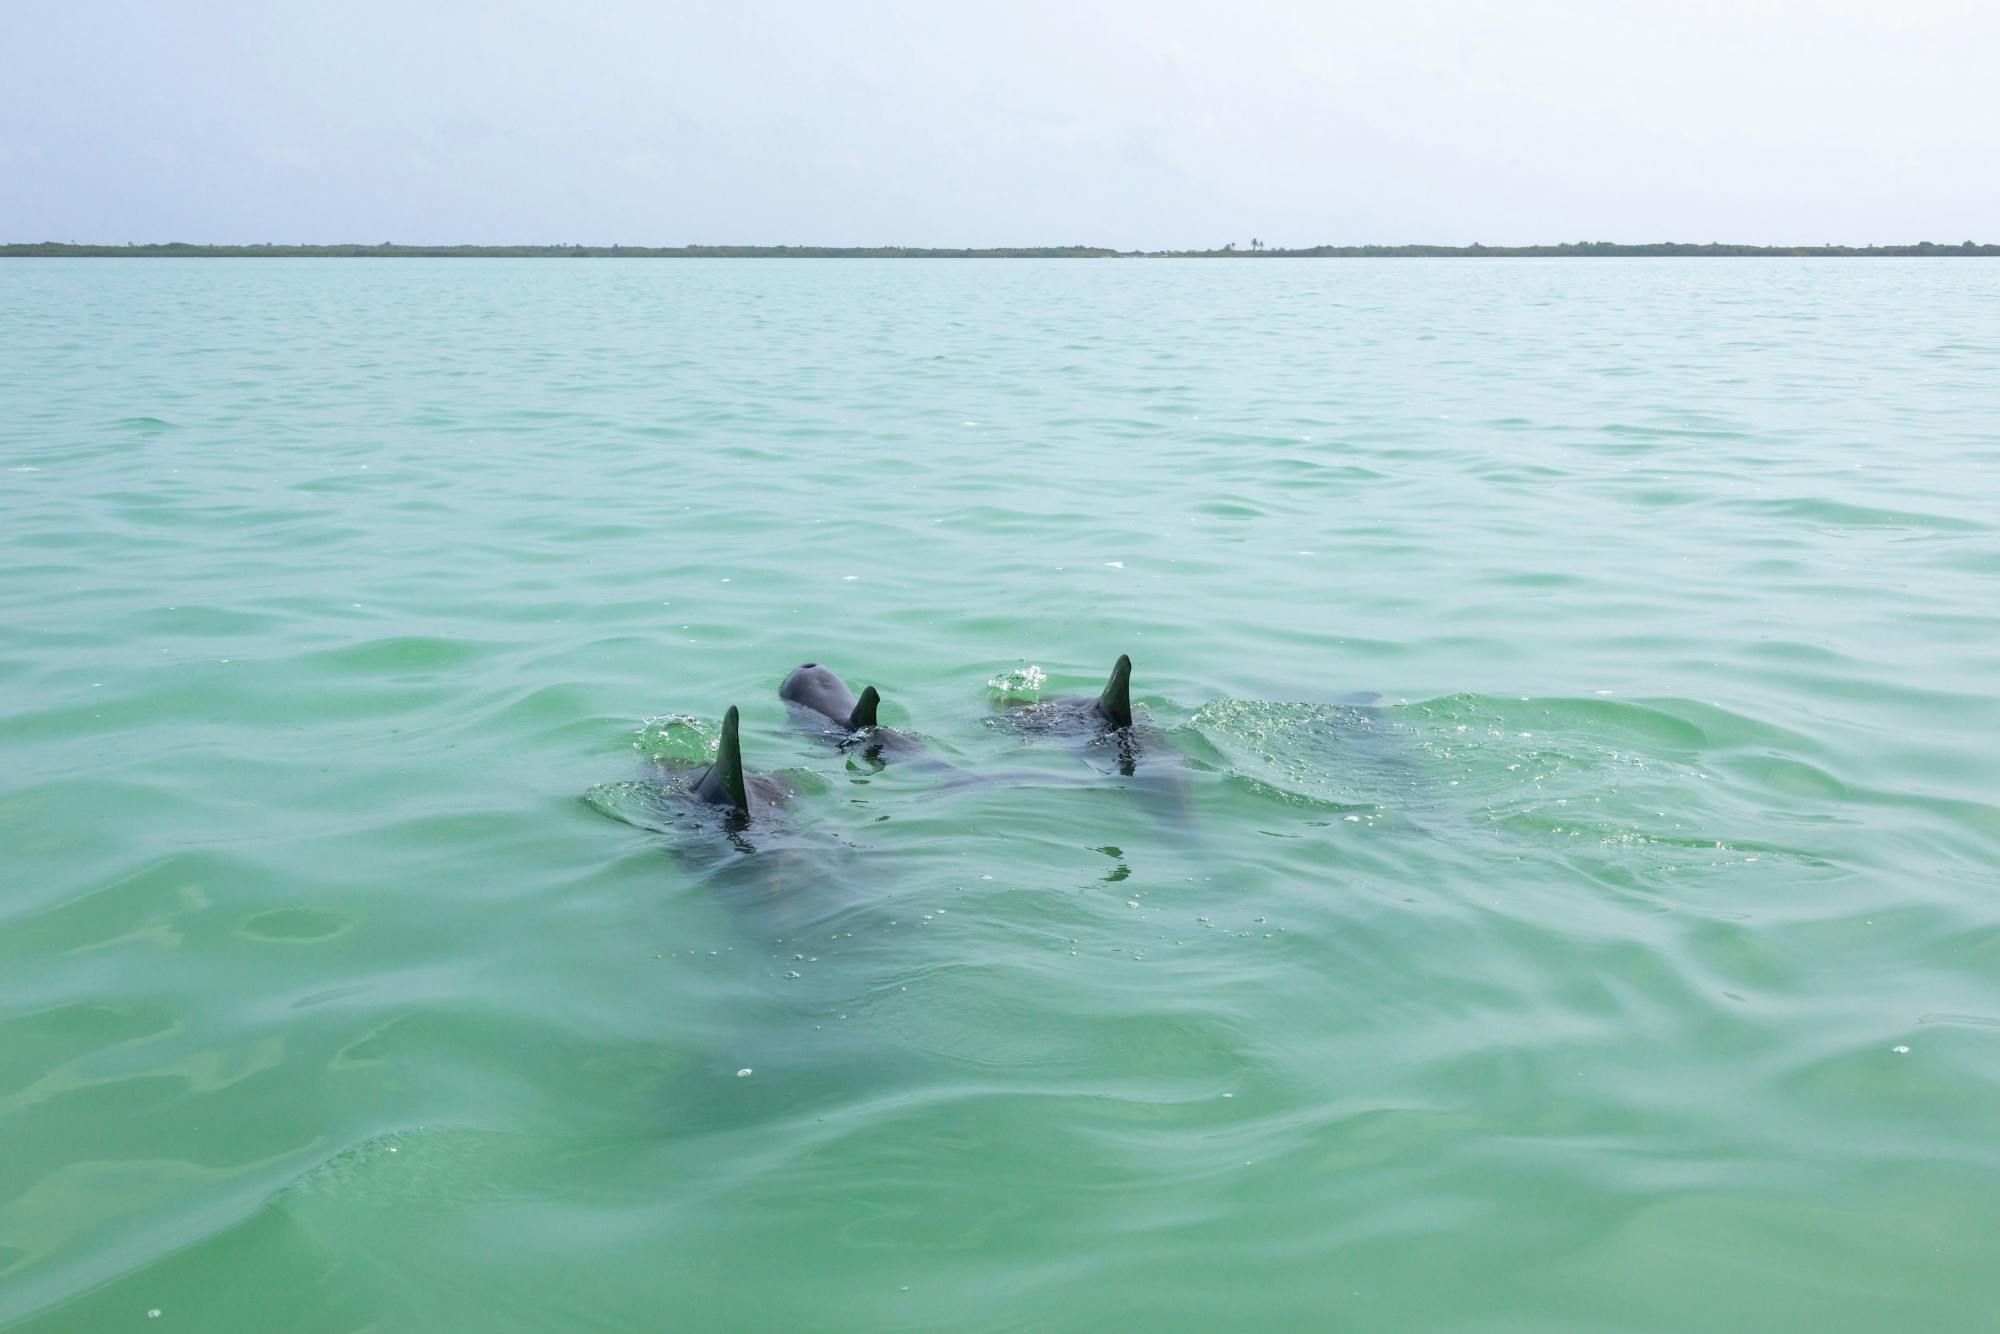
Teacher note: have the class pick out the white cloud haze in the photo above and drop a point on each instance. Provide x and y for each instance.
(1126, 124)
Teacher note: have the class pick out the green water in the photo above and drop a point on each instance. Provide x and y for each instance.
(1634, 965)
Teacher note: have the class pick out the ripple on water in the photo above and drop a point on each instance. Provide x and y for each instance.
(399, 655)
(328, 1005)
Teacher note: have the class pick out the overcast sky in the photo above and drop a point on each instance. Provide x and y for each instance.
(1152, 124)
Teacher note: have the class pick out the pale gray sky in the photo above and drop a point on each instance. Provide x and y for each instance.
(1147, 124)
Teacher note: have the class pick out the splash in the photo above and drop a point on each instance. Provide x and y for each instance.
(676, 738)
(1023, 683)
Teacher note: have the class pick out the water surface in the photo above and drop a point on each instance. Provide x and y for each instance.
(1632, 964)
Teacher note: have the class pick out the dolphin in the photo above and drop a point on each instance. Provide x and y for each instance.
(812, 688)
(1106, 724)
(1108, 714)
(724, 783)
(1114, 703)
(820, 690)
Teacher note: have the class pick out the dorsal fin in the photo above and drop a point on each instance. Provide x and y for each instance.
(864, 709)
(1116, 701)
(722, 784)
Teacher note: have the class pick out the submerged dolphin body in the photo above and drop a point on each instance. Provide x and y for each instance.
(1163, 784)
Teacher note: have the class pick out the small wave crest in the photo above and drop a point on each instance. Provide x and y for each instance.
(1329, 755)
(1632, 792)
(643, 805)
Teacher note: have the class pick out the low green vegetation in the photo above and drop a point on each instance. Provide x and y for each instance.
(390, 250)
(1258, 250)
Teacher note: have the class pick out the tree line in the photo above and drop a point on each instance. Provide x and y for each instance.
(1259, 249)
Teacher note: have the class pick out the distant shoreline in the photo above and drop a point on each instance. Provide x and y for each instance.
(1566, 250)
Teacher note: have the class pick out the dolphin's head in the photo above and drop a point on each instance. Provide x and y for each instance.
(810, 682)
(820, 689)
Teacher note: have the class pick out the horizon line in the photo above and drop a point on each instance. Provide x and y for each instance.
(1256, 250)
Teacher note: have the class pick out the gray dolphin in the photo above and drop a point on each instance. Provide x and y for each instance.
(1110, 712)
(820, 690)
(725, 784)
(1106, 726)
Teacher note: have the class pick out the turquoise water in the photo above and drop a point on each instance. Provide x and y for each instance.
(1633, 963)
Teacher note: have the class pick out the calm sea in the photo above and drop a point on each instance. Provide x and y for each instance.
(1632, 963)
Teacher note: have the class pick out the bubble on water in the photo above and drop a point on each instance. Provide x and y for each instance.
(744, 1073)
(1900, 1051)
